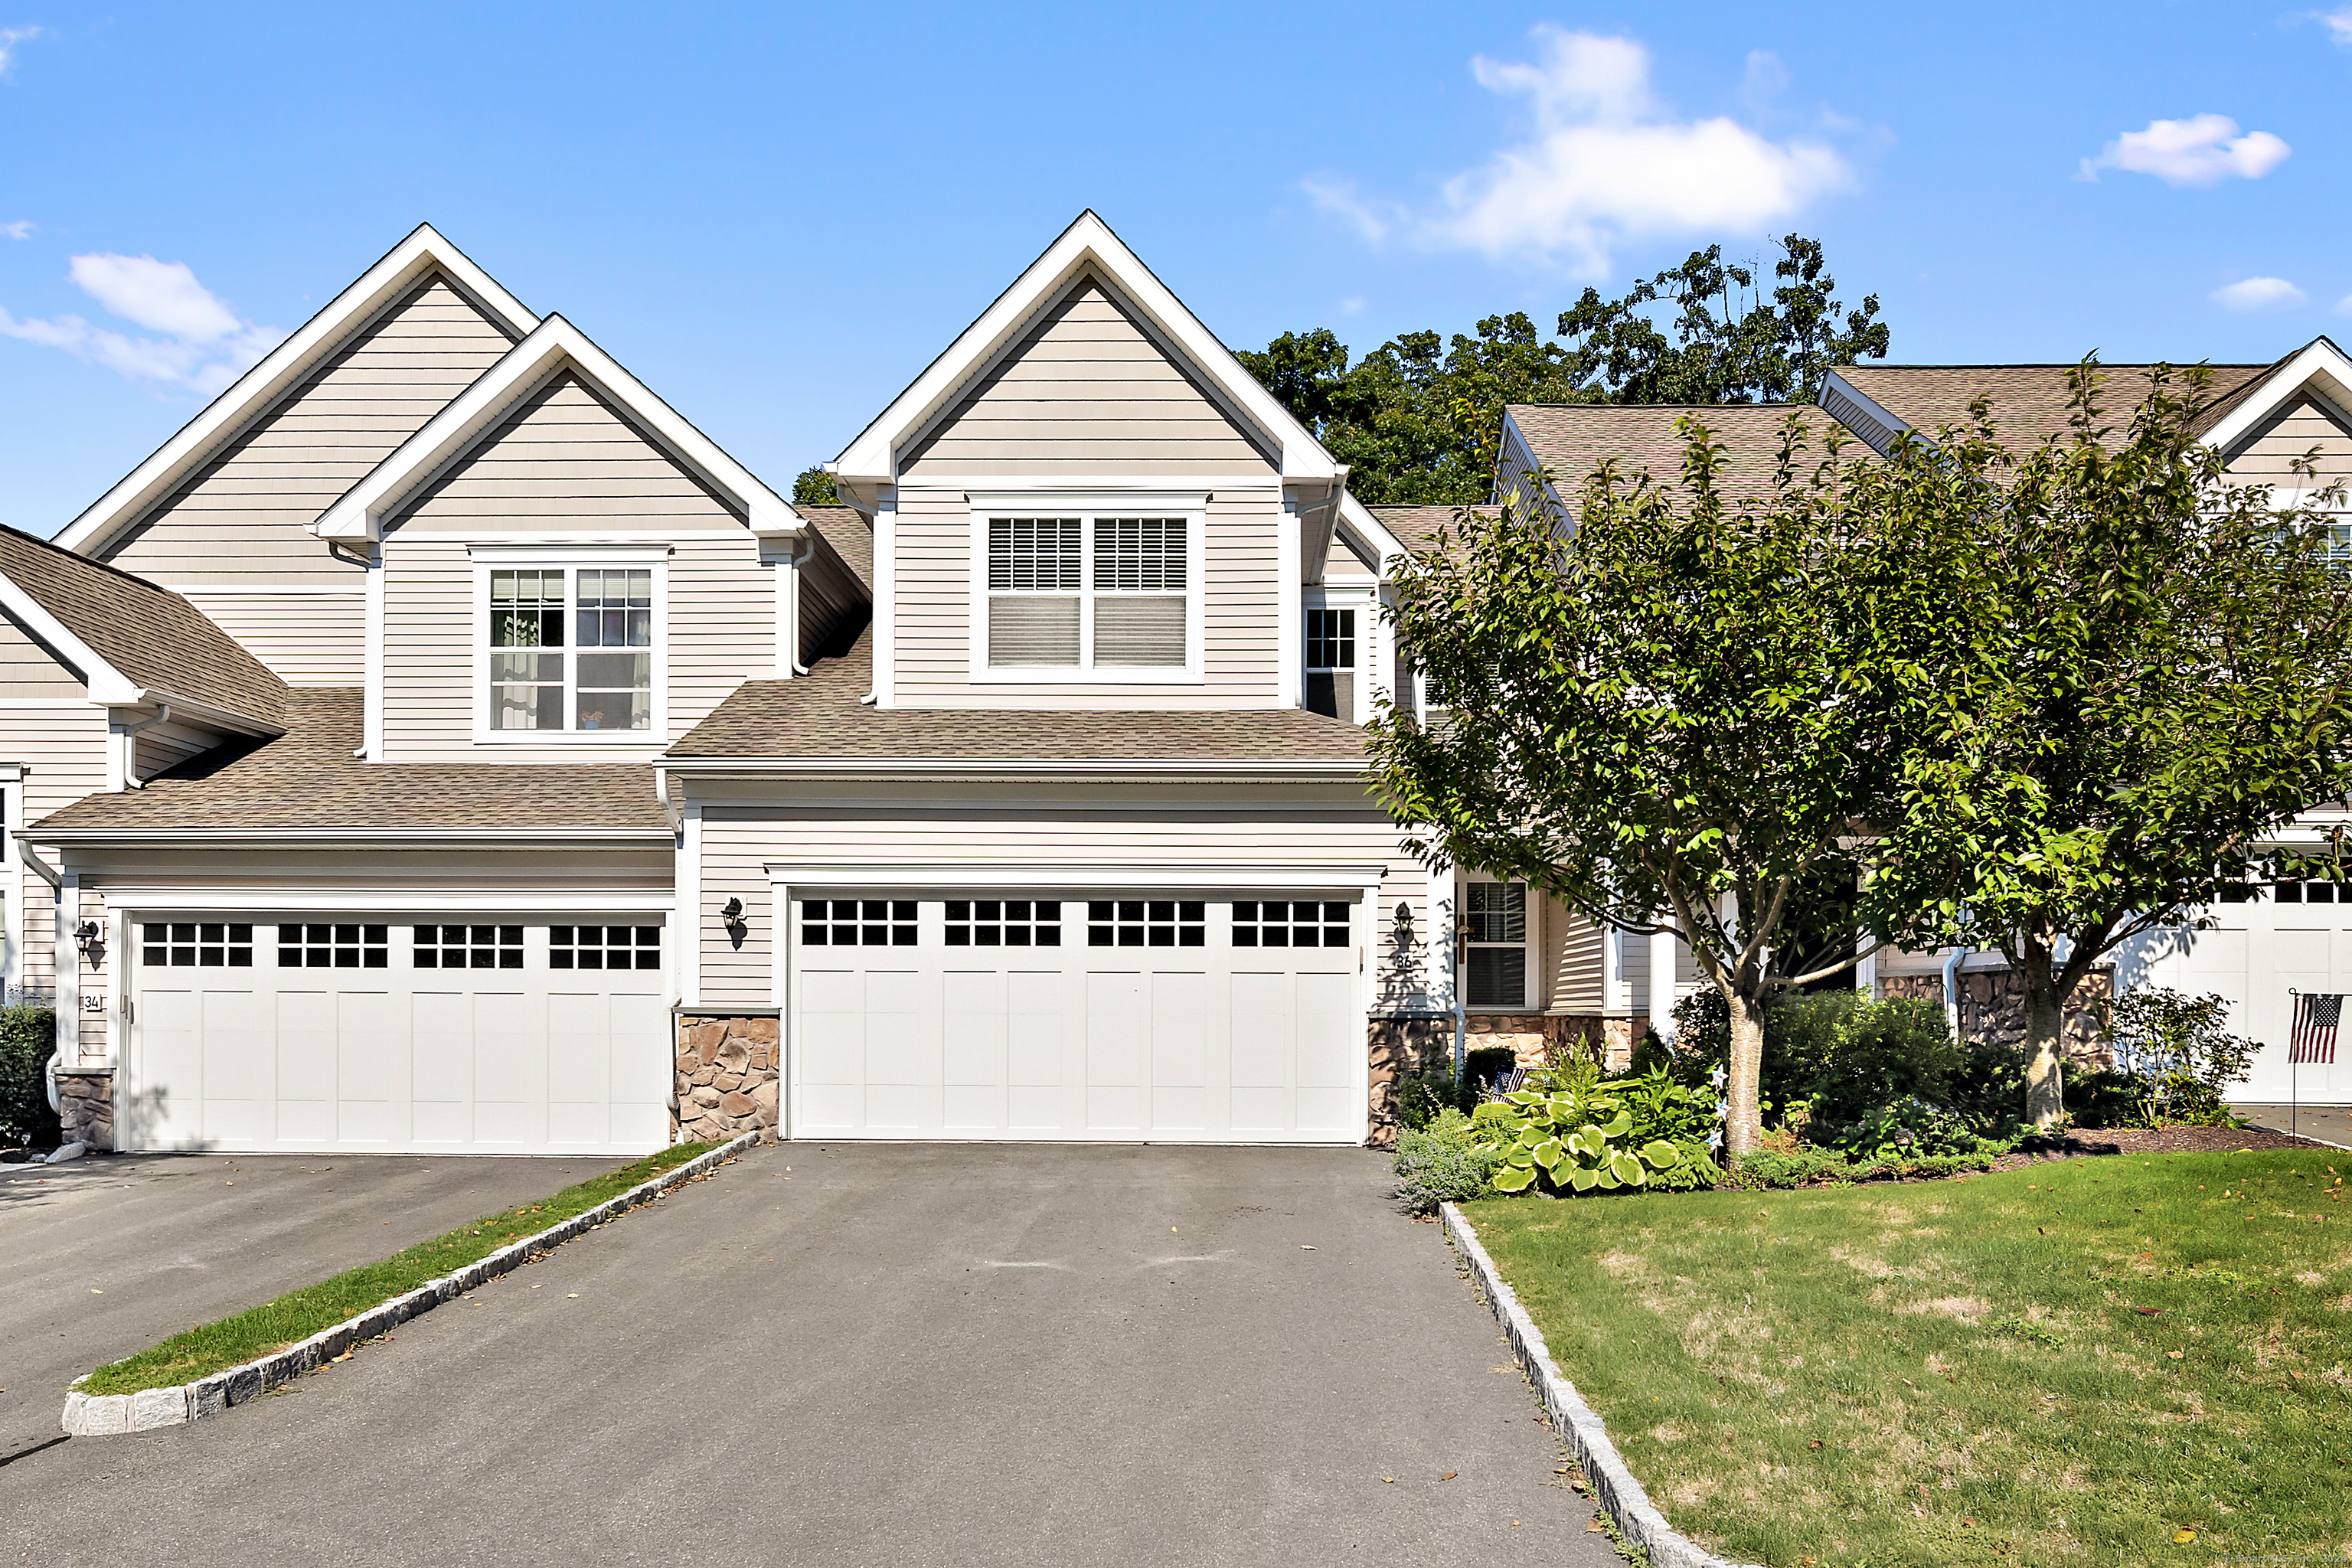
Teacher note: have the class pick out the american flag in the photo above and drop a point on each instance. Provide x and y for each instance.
(2313, 1036)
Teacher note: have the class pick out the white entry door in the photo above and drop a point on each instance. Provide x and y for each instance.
(1235, 1021)
(373, 1035)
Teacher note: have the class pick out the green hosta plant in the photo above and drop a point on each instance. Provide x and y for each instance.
(1562, 1133)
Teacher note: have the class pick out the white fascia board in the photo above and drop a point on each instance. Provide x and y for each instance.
(2320, 362)
(1357, 519)
(555, 344)
(871, 459)
(107, 685)
(227, 416)
(372, 837)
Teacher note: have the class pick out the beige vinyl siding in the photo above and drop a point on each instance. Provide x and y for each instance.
(1574, 961)
(565, 458)
(1402, 973)
(1086, 390)
(306, 639)
(161, 746)
(28, 669)
(101, 984)
(737, 843)
(2274, 448)
(245, 514)
(1637, 973)
(1240, 614)
(63, 751)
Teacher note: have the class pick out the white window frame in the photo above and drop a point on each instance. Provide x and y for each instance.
(1528, 945)
(570, 560)
(1193, 508)
(1365, 602)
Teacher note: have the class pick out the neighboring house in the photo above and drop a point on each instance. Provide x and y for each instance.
(2262, 418)
(550, 784)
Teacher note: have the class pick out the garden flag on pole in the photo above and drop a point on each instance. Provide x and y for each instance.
(2313, 1036)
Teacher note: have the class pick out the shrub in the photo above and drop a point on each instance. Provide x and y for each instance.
(2179, 1048)
(1431, 1089)
(1835, 1168)
(1482, 1067)
(1442, 1162)
(1663, 1106)
(1563, 1132)
(28, 1036)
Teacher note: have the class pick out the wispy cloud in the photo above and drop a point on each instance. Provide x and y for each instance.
(2338, 24)
(2258, 294)
(2201, 150)
(1608, 162)
(21, 229)
(9, 38)
(203, 343)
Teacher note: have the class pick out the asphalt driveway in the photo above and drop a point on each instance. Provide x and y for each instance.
(878, 1354)
(102, 1257)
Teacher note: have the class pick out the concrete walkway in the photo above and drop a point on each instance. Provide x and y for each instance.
(2328, 1123)
(876, 1354)
(105, 1256)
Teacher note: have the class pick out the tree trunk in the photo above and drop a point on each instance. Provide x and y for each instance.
(2045, 1101)
(1743, 1118)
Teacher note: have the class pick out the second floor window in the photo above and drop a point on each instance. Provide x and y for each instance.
(572, 647)
(1331, 663)
(1088, 592)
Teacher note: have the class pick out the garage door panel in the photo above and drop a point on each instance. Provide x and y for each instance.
(579, 1052)
(509, 1050)
(306, 1047)
(166, 1105)
(1116, 1032)
(902, 1044)
(972, 1052)
(832, 1045)
(640, 1072)
(1180, 1064)
(442, 1060)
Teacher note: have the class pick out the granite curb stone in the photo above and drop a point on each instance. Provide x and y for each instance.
(1586, 1436)
(109, 1414)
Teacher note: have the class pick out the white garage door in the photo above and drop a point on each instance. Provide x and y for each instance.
(392, 1037)
(2290, 937)
(1187, 1020)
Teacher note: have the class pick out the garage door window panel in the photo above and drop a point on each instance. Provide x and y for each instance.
(1147, 923)
(334, 946)
(469, 947)
(604, 947)
(858, 922)
(1003, 923)
(1274, 922)
(195, 944)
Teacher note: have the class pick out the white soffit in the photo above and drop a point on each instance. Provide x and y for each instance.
(228, 417)
(872, 458)
(2321, 371)
(555, 346)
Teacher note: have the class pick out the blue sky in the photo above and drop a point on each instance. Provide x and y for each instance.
(775, 216)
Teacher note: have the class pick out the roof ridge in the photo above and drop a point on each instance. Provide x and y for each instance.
(92, 560)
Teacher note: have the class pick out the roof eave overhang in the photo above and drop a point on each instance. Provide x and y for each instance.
(553, 347)
(475, 839)
(283, 368)
(978, 770)
(869, 463)
(2321, 370)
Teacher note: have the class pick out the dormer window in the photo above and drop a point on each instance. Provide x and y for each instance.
(1089, 596)
(569, 650)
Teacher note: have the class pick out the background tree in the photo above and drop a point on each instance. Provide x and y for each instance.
(814, 487)
(1679, 707)
(1417, 418)
(2157, 679)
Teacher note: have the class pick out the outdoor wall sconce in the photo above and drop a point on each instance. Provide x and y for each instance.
(92, 943)
(1404, 924)
(737, 927)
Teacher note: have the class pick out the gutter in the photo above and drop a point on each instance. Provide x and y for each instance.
(957, 767)
(390, 838)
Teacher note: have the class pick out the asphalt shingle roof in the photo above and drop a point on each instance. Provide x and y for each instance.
(306, 778)
(819, 717)
(2029, 403)
(847, 534)
(150, 635)
(1572, 439)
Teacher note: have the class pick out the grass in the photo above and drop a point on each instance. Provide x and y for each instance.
(292, 1317)
(1967, 1371)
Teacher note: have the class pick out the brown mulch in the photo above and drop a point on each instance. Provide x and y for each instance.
(2078, 1144)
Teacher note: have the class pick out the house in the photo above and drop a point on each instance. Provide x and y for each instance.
(2283, 935)
(442, 744)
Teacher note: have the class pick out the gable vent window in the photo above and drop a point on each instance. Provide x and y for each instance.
(571, 649)
(1089, 593)
(1331, 663)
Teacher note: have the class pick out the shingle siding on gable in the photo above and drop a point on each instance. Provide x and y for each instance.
(1085, 391)
(245, 515)
(564, 461)
(2274, 447)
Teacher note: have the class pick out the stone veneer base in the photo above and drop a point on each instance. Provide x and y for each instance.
(111, 1414)
(729, 1076)
(1586, 1436)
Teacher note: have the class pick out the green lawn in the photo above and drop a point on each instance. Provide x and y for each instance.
(274, 1325)
(1960, 1371)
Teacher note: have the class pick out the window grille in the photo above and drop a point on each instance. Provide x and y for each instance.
(1146, 922)
(858, 923)
(327, 946)
(1278, 923)
(469, 947)
(195, 944)
(1495, 929)
(604, 947)
(1003, 922)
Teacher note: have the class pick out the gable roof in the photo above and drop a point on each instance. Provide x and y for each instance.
(818, 720)
(307, 784)
(284, 368)
(1572, 439)
(133, 641)
(1087, 245)
(2029, 403)
(554, 346)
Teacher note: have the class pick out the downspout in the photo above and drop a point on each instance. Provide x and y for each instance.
(1952, 989)
(131, 779)
(803, 549)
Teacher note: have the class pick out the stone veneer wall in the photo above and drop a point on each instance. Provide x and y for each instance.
(1992, 1008)
(1399, 1045)
(727, 1078)
(86, 1106)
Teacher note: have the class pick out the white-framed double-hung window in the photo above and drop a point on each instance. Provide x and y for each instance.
(569, 650)
(1494, 944)
(1090, 594)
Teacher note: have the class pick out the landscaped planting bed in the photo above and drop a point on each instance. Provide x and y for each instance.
(2129, 1358)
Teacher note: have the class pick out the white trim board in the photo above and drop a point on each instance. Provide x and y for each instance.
(1339, 877)
(284, 368)
(552, 348)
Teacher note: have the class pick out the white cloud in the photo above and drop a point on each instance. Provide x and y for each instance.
(2338, 24)
(2343, 306)
(21, 229)
(9, 38)
(205, 344)
(2202, 150)
(1373, 220)
(1608, 163)
(2258, 294)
